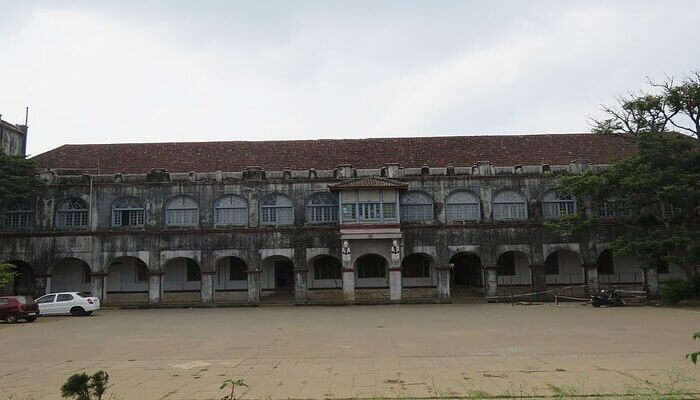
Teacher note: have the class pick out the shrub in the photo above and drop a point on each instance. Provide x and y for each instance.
(676, 290)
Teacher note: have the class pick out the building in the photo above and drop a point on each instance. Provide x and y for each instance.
(427, 219)
(13, 138)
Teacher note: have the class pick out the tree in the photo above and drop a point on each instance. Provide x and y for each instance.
(7, 274)
(671, 105)
(18, 179)
(85, 387)
(662, 183)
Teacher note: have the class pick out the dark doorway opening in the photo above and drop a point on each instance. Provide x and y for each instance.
(467, 271)
(284, 274)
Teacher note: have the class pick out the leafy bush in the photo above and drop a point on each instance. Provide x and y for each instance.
(676, 290)
(85, 387)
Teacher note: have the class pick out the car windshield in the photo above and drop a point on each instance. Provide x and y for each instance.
(84, 294)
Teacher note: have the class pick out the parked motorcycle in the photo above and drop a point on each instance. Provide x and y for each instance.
(607, 297)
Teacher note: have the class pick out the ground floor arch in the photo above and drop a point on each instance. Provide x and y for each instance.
(325, 271)
(371, 270)
(71, 275)
(231, 280)
(467, 271)
(182, 280)
(564, 267)
(417, 270)
(513, 269)
(127, 281)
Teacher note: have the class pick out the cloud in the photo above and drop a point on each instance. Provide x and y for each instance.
(154, 71)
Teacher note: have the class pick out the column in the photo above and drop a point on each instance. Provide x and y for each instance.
(348, 274)
(443, 284)
(48, 284)
(40, 284)
(155, 291)
(97, 285)
(207, 287)
(651, 281)
(395, 273)
(254, 285)
(300, 285)
(590, 271)
(491, 283)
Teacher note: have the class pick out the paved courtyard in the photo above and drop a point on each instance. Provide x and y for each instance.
(360, 351)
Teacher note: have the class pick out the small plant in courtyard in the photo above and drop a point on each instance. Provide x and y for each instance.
(7, 274)
(693, 357)
(85, 387)
(233, 383)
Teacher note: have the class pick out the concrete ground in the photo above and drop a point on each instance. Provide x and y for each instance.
(360, 351)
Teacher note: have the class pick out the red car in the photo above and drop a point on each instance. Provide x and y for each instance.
(14, 308)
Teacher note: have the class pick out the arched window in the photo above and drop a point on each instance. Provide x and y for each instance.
(371, 266)
(276, 209)
(16, 215)
(322, 208)
(556, 204)
(509, 205)
(416, 206)
(231, 210)
(128, 211)
(72, 213)
(614, 208)
(182, 211)
(415, 266)
(463, 206)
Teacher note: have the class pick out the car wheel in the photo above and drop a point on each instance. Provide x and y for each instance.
(11, 319)
(75, 311)
(87, 313)
(31, 319)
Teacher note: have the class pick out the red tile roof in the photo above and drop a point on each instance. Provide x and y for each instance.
(458, 151)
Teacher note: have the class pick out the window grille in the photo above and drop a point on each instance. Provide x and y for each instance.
(462, 206)
(322, 208)
(128, 212)
(182, 211)
(614, 208)
(558, 204)
(416, 206)
(369, 211)
(16, 215)
(276, 209)
(72, 213)
(509, 205)
(231, 210)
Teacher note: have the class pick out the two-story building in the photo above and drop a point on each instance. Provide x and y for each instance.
(433, 219)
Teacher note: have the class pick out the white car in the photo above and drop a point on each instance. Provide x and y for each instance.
(74, 303)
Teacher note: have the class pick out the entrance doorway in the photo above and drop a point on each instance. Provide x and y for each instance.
(284, 275)
(467, 271)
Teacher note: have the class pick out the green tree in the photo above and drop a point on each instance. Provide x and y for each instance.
(7, 274)
(85, 387)
(668, 105)
(18, 179)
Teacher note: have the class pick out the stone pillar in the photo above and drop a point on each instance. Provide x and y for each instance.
(97, 285)
(300, 285)
(395, 272)
(491, 283)
(395, 284)
(590, 271)
(254, 285)
(348, 285)
(206, 287)
(155, 287)
(40, 283)
(348, 274)
(539, 279)
(443, 284)
(47, 289)
(651, 281)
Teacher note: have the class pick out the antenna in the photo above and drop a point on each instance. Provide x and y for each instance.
(26, 116)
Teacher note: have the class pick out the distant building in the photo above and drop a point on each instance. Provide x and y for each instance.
(13, 138)
(430, 219)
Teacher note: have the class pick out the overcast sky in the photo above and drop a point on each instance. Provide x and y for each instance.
(164, 71)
